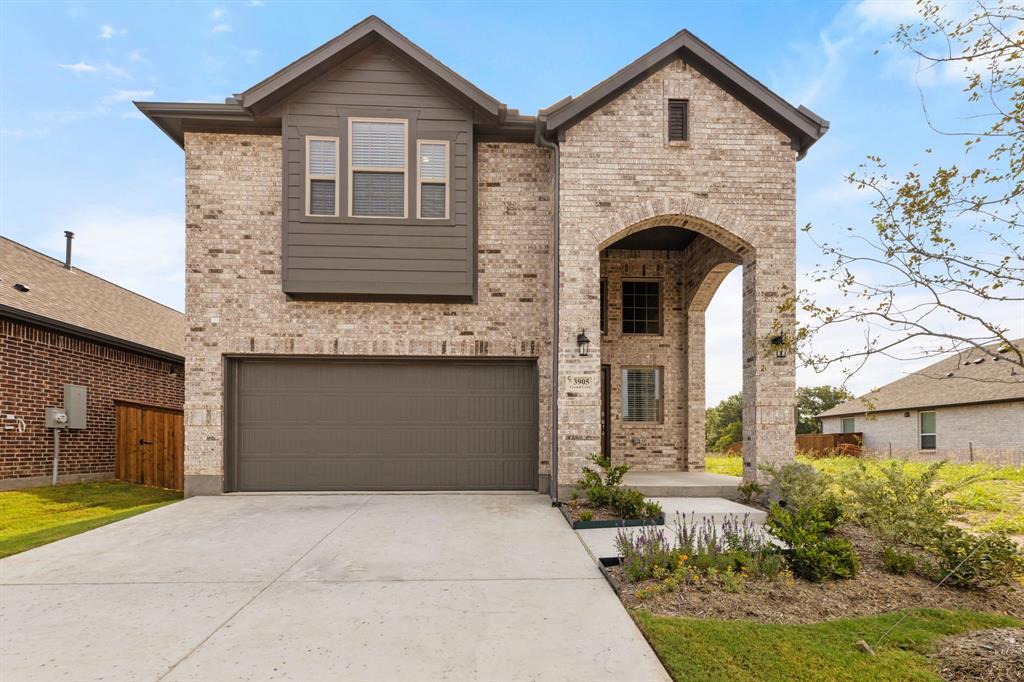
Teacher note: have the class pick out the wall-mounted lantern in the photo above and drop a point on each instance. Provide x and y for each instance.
(583, 343)
(778, 342)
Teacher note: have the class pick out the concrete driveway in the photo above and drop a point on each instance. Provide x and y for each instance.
(320, 587)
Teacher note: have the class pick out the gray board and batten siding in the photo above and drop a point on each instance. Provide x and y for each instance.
(378, 257)
(382, 424)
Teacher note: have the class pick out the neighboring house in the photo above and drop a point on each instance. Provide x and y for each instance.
(968, 403)
(370, 240)
(60, 326)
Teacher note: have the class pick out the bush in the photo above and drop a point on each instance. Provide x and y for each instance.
(801, 486)
(749, 491)
(901, 507)
(603, 488)
(586, 515)
(811, 551)
(898, 563)
(965, 560)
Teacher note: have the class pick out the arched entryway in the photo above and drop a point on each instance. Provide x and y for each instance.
(646, 284)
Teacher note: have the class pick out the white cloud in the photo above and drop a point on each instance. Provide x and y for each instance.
(79, 68)
(136, 56)
(127, 95)
(217, 13)
(108, 243)
(887, 12)
(222, 28)
(256, 3)
(107, 32)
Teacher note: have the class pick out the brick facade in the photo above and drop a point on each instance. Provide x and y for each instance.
(734, 182)
(36, 364)
(235, 305)
(988, 429)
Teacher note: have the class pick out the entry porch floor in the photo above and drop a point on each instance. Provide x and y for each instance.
(683, 484)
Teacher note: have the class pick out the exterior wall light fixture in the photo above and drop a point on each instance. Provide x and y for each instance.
(778, 342)
(583, 343)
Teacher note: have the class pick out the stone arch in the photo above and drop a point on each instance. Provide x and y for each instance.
(718, 224)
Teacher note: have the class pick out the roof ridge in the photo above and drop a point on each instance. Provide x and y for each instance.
(60, 264)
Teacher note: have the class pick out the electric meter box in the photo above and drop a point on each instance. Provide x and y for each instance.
(56, 418)
(74, 406)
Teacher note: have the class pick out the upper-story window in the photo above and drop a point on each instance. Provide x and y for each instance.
(377, 167)
(321, 176)
(849, 425)
(432, 178)
(678, 120)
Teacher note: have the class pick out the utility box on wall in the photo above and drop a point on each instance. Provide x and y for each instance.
(74, 406)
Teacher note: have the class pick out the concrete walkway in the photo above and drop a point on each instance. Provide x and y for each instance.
(320, 587)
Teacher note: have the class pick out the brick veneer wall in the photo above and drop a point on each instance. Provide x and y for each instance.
(35, 365)
(734, 181)
(235, 304)
(647, 446)
(988, 427)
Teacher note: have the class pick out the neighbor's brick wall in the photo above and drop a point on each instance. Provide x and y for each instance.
(233, 282)
(35, 365)
(993, 427)
(735, 181)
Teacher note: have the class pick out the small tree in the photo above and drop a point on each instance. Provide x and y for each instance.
(812, 400)
(942, 261)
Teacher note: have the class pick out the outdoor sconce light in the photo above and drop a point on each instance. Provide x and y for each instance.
(779, 344)
(583, 343)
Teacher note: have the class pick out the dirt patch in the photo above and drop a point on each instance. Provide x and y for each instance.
(991, 655)
(576, 509)
(798, 601)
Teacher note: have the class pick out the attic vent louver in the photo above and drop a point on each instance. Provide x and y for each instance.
(21, 287)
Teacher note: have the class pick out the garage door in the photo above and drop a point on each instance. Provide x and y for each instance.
(382, 425)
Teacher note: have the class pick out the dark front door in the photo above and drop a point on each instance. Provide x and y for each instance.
(399, 424)
(606, 410)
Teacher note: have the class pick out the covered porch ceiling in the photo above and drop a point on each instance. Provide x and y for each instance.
(662, 238)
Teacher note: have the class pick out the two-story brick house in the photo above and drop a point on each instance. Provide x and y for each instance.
(371, 296)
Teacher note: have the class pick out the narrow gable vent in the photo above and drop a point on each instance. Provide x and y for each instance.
(678, 120)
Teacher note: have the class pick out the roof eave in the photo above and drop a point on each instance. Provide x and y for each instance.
(174, 118)
(802, 125)
(264, 91)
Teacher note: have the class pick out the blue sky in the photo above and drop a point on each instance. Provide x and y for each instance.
(75, 154)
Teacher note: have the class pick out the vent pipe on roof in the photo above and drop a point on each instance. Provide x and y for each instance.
(67, 254)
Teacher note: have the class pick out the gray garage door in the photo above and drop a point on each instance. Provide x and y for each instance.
(382, 425)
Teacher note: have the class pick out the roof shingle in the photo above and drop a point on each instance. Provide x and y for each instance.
(963, 378)
(75, 297)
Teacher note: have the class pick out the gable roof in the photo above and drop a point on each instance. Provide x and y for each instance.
(802, 125)
(80, 303)
(961, 379)
(334, 51)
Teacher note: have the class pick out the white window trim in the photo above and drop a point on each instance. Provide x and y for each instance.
(921, 433)
(374, 169)
(310, 177)
(842, 424)
(432, 181)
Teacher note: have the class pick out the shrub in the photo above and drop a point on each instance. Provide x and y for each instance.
(900, 506)
(896, 562)
(799, 486)
(965, 560)
(811, 552)
(586, 515)
(749, 491)
(603, 488)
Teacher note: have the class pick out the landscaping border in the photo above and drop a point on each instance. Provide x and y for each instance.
(611, 523)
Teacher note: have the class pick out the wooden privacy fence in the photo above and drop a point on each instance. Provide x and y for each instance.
(151, 446)
(823, 444)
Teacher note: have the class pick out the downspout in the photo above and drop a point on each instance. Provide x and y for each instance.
(556, 278)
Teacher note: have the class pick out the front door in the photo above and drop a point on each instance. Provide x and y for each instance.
(606, 410)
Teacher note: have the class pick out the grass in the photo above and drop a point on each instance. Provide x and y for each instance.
(710, 650)
(994, 501)
(37, 516)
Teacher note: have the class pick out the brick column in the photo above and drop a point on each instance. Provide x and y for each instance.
(768, 382)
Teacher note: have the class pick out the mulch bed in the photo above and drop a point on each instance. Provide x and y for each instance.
(599, 513)
(991, 655)
(778, 601)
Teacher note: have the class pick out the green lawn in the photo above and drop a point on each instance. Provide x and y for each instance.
(710, 650)
(995, 501)
(36, 516)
